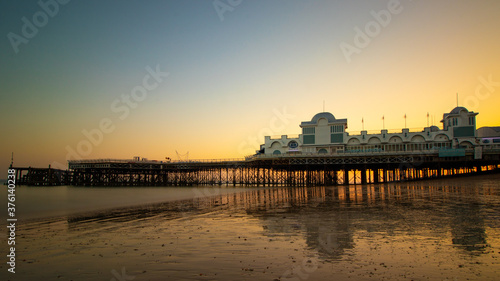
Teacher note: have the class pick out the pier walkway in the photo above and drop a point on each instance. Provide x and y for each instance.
(265, 170)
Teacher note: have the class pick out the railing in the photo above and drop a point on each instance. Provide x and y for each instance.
(345, 154)
(209, 160)
(367, 152)
(88, 161)
(133, 161)
(389, 131)
(278, 137)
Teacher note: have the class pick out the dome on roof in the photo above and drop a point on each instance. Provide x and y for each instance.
(326, 115)
(457, 110)
(434, 128)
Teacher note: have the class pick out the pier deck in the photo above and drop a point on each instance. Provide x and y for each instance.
(261, 170)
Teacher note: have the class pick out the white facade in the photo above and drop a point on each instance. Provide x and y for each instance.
(326, 135)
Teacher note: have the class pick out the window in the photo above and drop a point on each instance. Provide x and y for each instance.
(337, 129)
(322, 151)
(309, 130)
(337, 138)
(309, 139)
(471, 120)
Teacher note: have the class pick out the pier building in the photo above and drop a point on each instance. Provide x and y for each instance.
(326, 135)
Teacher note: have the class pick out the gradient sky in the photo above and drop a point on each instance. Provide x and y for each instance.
(233, 74)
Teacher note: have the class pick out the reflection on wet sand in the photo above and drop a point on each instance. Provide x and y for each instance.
(434, 230)
(329, 216)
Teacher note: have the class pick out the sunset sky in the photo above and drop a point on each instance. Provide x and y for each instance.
(80, 73)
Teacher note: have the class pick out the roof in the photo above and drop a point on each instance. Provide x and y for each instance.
(327, 115)
(496, 129)
(456, 111)
(484, 132)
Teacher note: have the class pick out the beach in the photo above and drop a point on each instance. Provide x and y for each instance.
(427, 230)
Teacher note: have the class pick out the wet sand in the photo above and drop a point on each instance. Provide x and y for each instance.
(432, 230)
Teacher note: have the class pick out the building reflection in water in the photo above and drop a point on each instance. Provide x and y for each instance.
(329, 217)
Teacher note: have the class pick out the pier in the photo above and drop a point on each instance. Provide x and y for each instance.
(41, 176)
(324, 154)
(264, 170)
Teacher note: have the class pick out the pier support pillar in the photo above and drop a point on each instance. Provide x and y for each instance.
(376, 176)
(363, 175)
(346, 176)
(478, 169)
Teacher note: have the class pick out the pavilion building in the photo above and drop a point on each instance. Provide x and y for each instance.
(326, 135)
